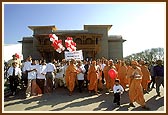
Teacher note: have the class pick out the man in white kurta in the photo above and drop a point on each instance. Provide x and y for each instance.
(41, 76)
(80, 75)
(32, 71)
(14, 73)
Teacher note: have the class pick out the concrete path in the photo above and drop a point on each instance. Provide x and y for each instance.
(60, 101)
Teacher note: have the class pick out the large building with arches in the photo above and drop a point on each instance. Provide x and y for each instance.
(93, 40)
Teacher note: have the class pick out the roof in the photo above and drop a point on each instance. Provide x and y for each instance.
(27, 39)
(97, 26)
(36, 27)
(74, 32)
(115, 38)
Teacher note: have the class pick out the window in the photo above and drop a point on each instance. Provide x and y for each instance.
(47, 42)
(96, 40)
(89, 41)
(78, 41)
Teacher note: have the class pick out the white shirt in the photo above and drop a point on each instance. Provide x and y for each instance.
(17, 71)
(102, 66)
(80, 76)
(65, 68)
(41, 71)
(26, 66)
(50, 67)
(117, 89)
(32, 74)
(61, 72)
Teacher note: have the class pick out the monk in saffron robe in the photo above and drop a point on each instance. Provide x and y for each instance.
(122, 73)
(93, 77)
(99, 68)
(111, 66)
(128, 78)
(135, 88)
(107, 77)
(71, 74)
(118, 65)
(145, 77)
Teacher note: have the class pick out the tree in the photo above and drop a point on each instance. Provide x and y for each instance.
(147, 55)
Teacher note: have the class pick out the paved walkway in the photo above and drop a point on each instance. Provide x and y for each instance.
(60, 101)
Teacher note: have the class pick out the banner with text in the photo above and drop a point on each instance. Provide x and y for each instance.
(77, 55)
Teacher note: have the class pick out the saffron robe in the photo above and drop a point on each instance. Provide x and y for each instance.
(145, 77)
(135, 87)
(71, 74)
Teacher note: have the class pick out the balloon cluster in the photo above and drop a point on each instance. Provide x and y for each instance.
(57, 44)
(70, 44)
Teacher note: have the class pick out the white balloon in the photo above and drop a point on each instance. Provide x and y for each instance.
(62, 48)
(51, 39)
(58, 50)
(55, 37)
(60, 45)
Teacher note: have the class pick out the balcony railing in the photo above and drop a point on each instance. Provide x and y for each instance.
(84, 47)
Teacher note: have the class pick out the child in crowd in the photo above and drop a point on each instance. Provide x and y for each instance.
(118, 90)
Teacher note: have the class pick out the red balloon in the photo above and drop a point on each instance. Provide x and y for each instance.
(112, 73)
(50, 36)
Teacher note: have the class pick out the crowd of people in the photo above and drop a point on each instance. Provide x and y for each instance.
(39, 77)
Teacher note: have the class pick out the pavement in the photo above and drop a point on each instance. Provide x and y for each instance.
(59, 101)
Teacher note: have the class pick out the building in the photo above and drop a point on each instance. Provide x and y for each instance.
(94, 41)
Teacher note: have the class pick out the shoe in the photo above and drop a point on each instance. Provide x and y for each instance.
(146, 108)
(158, 95)
(153, 87)
(118, 105)
(27, 95)
(132, 105)
(70, 93)
(147, 92)
(96, 93)
(39, 95)
(107, 91)
(14, 93)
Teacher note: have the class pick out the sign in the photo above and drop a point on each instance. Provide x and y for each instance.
(77, 55)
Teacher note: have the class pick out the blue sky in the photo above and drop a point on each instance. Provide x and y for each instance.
(141, 24)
